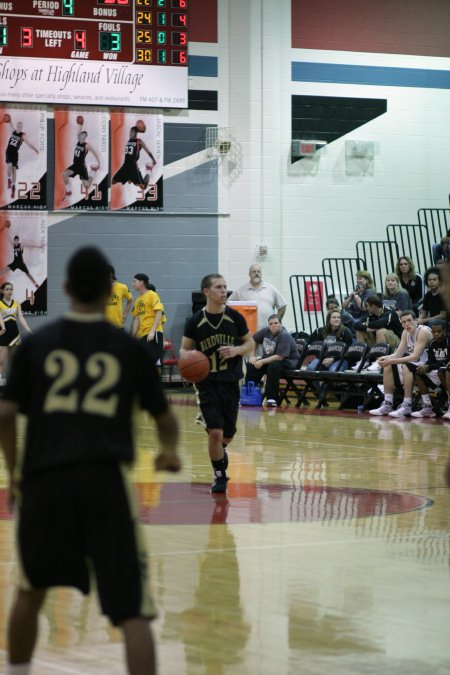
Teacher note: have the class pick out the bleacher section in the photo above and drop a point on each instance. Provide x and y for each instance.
(378, 257)
(309, 293)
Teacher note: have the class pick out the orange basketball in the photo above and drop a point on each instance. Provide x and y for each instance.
(140, 125)
(194, 366)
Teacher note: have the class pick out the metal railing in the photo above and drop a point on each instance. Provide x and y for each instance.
(342, 272)
(380, 257)
(437, 222)
(414, 241)
(308, 294)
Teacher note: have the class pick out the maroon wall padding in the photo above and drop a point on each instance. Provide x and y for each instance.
(419, 27)
(203, 20)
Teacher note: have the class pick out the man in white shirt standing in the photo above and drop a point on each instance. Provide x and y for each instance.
(269, 300)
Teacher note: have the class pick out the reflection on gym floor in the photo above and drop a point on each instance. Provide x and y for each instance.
(330, 553)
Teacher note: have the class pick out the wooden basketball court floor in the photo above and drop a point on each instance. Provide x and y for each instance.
(330, 553)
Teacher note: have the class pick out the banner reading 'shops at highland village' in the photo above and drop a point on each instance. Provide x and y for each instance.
(137, 161)
(23, 258)
(81, 160)
(23, 159)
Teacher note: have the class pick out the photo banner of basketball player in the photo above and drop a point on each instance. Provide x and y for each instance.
(137, 161)
(23, 168)
(23, 258)
(81, 160)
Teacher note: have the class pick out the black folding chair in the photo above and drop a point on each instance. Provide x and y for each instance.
(295, 378)
(363, 383)
(356, 356)
(336, 382)
(314, 378)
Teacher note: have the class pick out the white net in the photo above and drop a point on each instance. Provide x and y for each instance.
(219, 141)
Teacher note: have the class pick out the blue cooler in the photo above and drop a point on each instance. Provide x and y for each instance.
(251, 395)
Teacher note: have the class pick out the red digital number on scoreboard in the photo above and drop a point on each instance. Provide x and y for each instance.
(179, 39)
(79, 39)
(179, 20)
(179, 57)
(26, 37)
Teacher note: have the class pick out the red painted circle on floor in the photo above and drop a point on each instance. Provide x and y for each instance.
(192, 503)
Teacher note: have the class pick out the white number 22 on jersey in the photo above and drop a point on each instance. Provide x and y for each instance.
(63, 368)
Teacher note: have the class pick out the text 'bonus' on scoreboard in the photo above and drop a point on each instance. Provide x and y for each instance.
(39, 37)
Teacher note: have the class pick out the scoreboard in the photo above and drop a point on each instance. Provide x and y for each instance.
(95, 52)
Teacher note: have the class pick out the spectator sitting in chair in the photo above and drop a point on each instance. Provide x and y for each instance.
(441, 251)
(412, 349)
(432, 373)
(355, 303)
(394, 295)
(410, 281)
(278, 351)
(380, 325)
(433, 303)
(346, 318)
(333, 331)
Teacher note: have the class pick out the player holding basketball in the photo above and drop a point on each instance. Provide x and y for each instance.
(129, 172)
(222, 334)
(78, 380)
(79, 166)
(12, 151)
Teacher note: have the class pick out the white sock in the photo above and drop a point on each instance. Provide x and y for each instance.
(389, 398)
(427, 400)
(20, 669)
(407, 401)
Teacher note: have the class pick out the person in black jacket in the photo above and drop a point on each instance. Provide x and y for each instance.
(333, 331)
(410, 281)
(433, 306)
(381, 324)
(346, 318)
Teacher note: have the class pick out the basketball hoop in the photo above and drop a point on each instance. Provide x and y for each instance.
(219, 141)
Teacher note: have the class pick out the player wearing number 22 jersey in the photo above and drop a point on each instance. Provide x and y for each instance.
(222, 334)
(90, 374)
(79, 381)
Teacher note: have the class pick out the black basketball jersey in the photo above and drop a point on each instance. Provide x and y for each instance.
(132, 150)
(77, 381)
(438, 353)
(79, 154)
(18, 256)
(211, 331)
(15, 140)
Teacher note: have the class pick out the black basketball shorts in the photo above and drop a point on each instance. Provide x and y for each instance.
(79, 519)
(219, 403)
